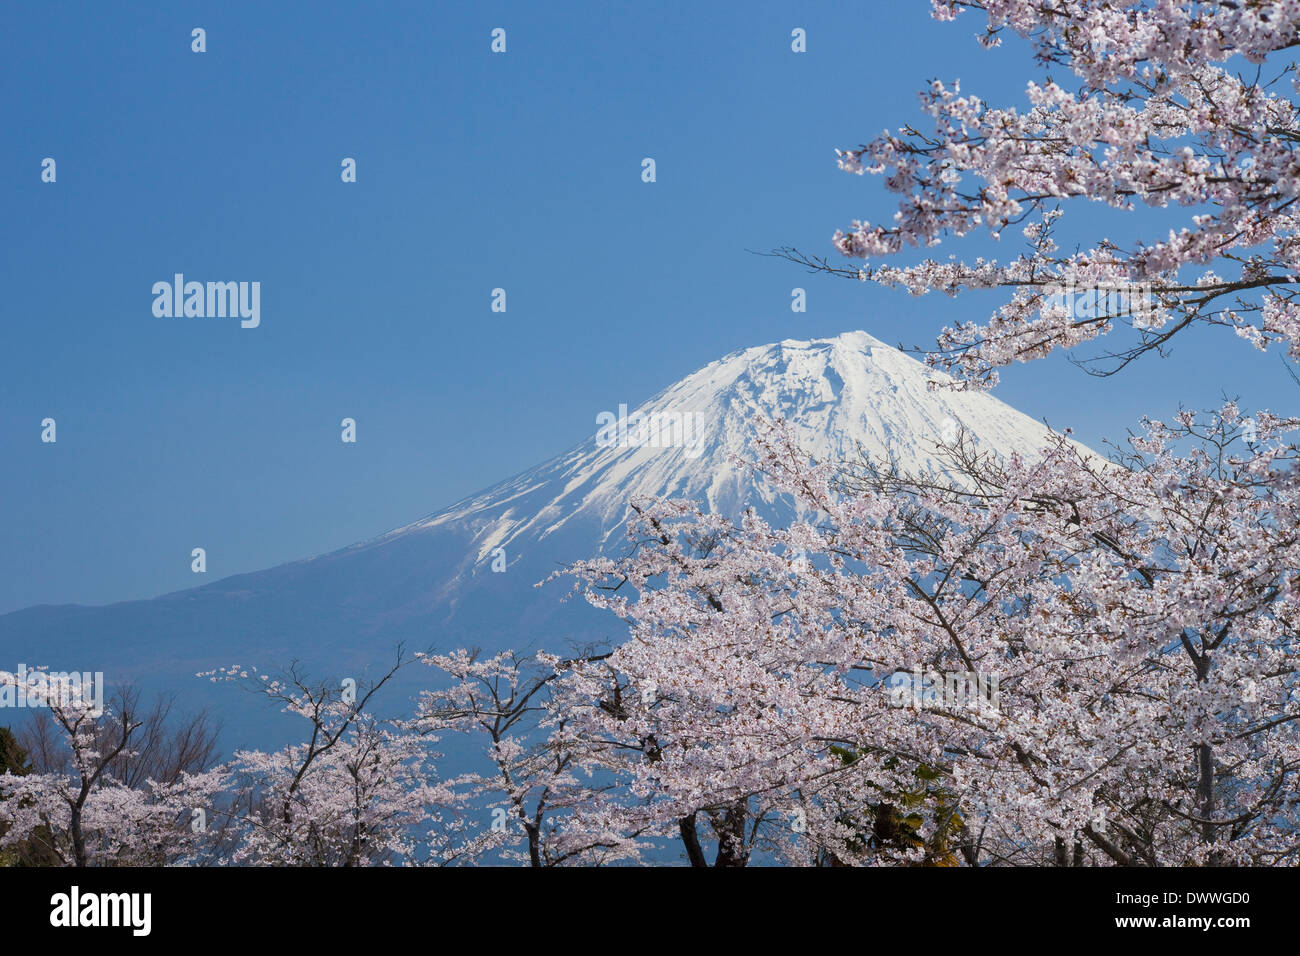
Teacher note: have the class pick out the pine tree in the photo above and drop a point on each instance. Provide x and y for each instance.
(13, 758)
(34, 850)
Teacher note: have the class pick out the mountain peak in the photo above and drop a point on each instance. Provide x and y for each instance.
(846, 396)
(857, 341)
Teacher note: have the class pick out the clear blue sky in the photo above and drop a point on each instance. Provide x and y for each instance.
(475, 171)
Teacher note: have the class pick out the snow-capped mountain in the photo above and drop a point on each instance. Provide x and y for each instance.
(432, 584)
(846, 396)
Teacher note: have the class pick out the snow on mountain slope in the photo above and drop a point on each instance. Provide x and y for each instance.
(846, 396)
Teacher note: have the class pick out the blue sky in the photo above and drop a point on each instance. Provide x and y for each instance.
(475, 171)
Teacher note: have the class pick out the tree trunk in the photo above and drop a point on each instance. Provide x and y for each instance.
(534, 843)
(1206, 796)
(690, 837)
(78, 838)
(731, 836)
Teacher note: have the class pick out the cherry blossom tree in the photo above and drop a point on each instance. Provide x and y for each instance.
(363, 791)
(357, 790)
(88, 803)
(1139, 621)
(534, 787)
(1184, 107)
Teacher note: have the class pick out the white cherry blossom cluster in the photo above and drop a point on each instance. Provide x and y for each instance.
(1164, 115)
